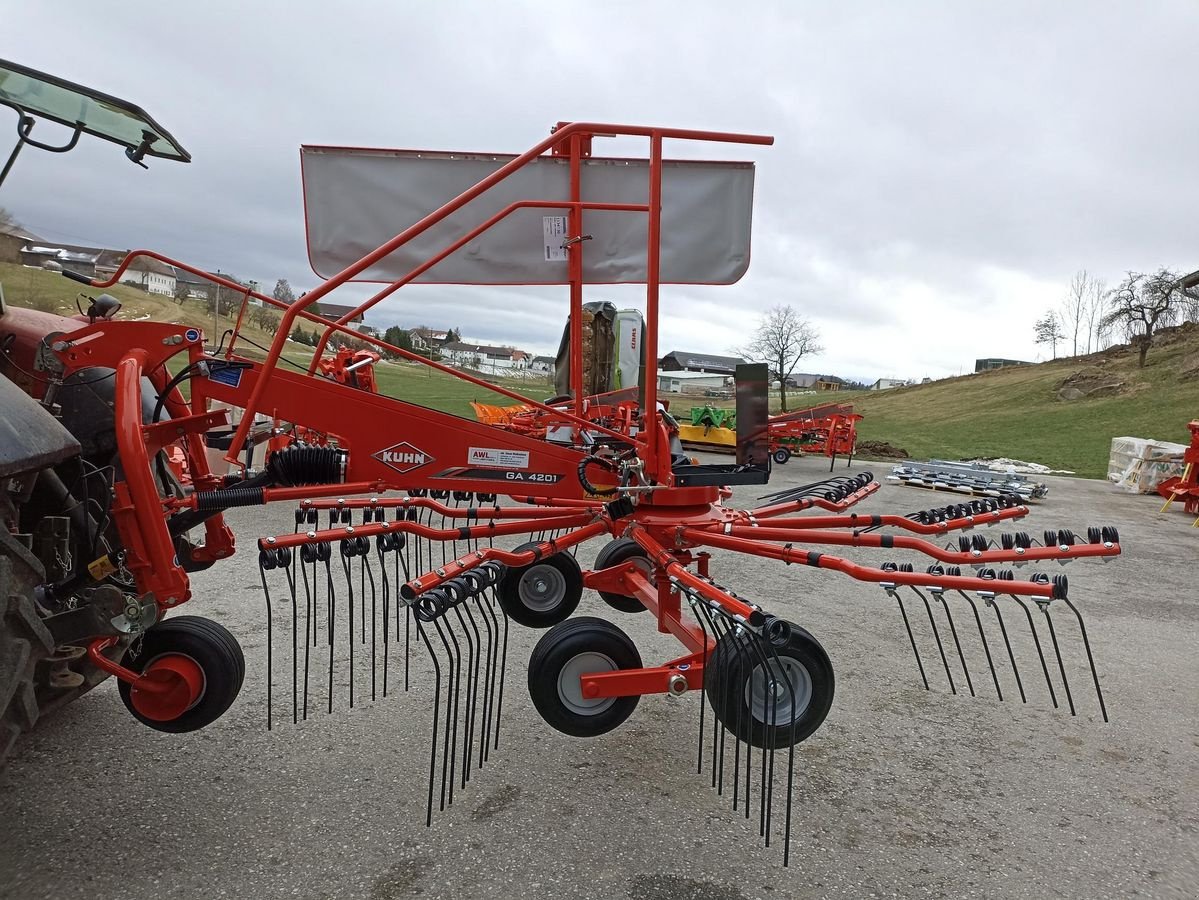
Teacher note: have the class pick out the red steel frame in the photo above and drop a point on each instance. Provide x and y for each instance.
(668, 523)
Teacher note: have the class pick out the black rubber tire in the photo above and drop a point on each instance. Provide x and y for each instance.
(213, 648)
(24, 642)
(781, 455)
(550, 614)
(727, 674)
(555, 650)
(613, 554)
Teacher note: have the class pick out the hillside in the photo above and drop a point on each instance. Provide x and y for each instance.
(1017, 412)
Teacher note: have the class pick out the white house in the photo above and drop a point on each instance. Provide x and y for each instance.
(543, 365)
(153, 276)
(886, 383)
(492, 360)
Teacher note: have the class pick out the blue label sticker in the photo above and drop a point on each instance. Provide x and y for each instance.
(192, 335)
(229, 376)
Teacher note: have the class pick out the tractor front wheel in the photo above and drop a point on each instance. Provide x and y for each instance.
(567, 652)
(192, 669)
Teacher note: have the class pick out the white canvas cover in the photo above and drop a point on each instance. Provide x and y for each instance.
(355, 200)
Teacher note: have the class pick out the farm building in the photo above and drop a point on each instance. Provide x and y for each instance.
(682, 361)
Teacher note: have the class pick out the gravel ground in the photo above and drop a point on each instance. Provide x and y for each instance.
(902, 793)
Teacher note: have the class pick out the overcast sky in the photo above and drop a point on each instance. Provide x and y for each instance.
(939, 171)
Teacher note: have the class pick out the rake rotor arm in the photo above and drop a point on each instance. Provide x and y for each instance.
(402, 526)
(874, 521)
(791, 506)
(869, 573)
(452, 512)
(413, 588)
(901, 542)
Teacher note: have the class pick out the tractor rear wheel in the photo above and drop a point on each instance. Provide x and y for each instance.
(194, 669)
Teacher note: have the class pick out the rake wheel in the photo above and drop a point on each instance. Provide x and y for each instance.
(195, 670)
(747, 686)
(544, 592)
(613, 554)
(563, 655)
(781, 455)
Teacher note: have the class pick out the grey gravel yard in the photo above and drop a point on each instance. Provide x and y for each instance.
(902, 792)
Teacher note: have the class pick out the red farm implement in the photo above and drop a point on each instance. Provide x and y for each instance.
(381, 572)
(1185, 487)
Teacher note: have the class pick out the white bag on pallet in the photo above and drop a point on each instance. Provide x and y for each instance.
(1139, 465)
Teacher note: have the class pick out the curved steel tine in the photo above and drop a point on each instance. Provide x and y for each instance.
(937, 635)
(472, 691)
(1061, 666)
(331, 610)
(790, 764)
(289, 573)
(700, 614)
(266, 593)
(755, 645)
(1082, 628)
(911, 637)
(309, 625)
(370, 575)
(451, 717)
(986, 645)
(385, 589)
(940, 595)
(420, 631)
(489, 682)
(1036, 639)
(1007, 643)
(499, 706)
(345, 565)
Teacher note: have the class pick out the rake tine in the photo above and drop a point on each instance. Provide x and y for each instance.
(1007, 643)
(940, 595)
(766, 783)
(382, 544)
(489, 683)
(986, 646)
(289, 573)
(453, 736)
(472, 686)
(421, 633)
(937, 635)
(737, 757)
(1037, 643)
(308, 554)
(911, 637)
(474, 702)
(695, 608)
(361, 597)
(366, 569)
(1082, 628)
(1061, 666)
(499, 707)
(790, 761)
(446, 758)
(325, 554)
(347, 550)
(265, 561)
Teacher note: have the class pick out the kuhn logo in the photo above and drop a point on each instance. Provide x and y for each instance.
(403, 457)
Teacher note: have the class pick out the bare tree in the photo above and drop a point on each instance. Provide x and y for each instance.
(1074, 308)
(1049, 331)
(783, 338)
(1096, 304)
(1142, 304)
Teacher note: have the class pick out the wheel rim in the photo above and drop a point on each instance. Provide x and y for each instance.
(170, 685)
(570, 685)
(541, 588)
(786, 706)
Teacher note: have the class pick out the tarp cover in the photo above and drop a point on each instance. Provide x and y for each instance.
(356, 200)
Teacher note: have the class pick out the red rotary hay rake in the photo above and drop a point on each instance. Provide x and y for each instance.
(423, 569)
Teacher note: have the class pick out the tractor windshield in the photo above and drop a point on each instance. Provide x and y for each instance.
(37, 94)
